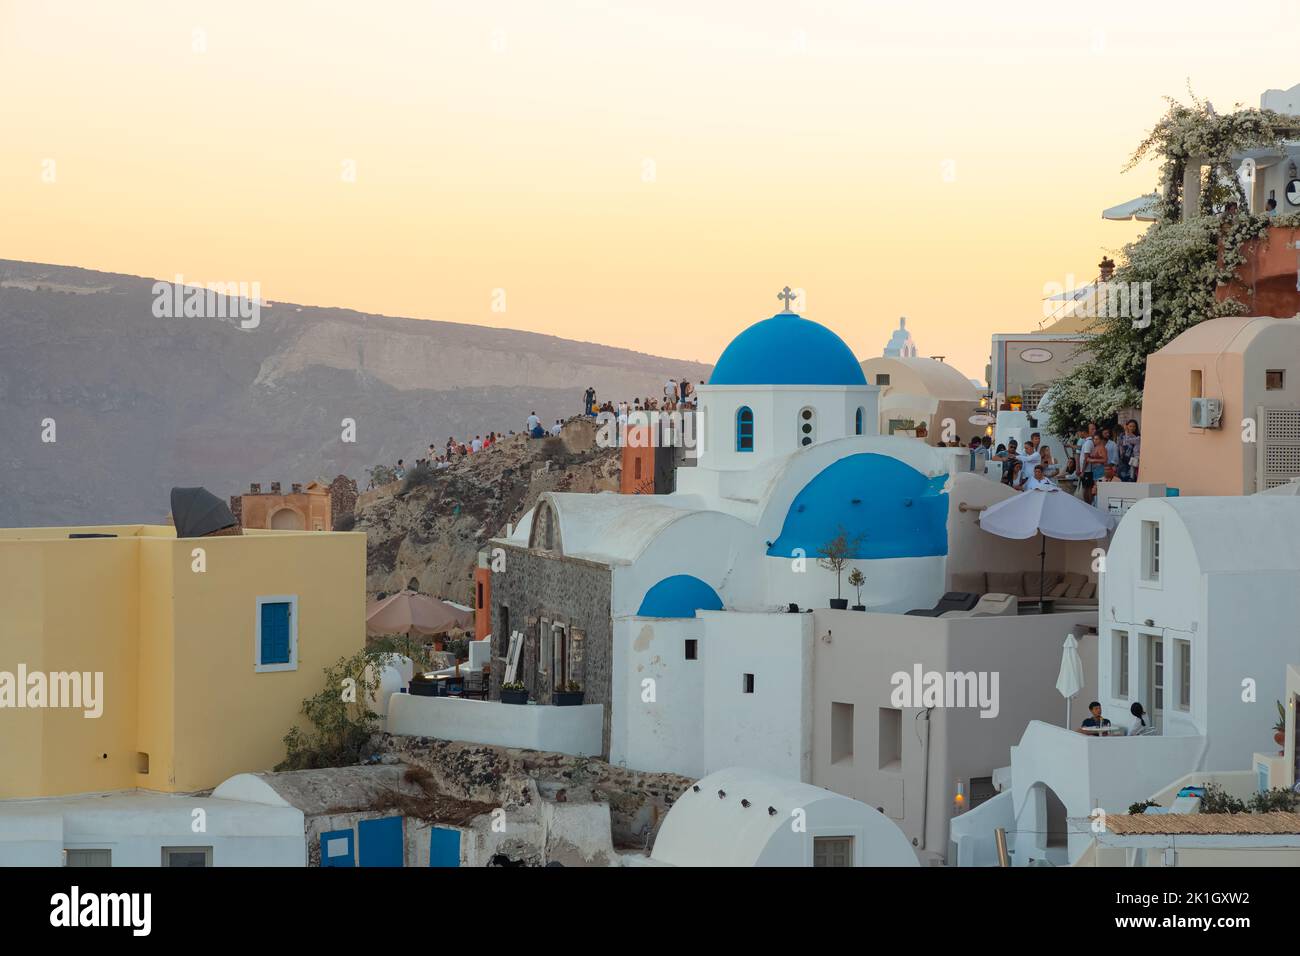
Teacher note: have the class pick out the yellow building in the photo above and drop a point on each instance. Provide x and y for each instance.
(206, 647)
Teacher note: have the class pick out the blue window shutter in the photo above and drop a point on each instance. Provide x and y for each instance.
(744, 429)
(275, 633)
(336, 848)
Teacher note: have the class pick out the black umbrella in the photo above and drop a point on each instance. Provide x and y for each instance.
(197, 511)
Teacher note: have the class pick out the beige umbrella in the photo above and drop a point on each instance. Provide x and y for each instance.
(409, 613)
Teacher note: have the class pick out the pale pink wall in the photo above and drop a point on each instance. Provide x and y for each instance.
(1196, 461)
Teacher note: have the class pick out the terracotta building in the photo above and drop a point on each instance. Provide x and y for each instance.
(304, 508)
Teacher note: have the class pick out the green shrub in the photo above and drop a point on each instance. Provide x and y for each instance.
(1218, 800)
(1275, 800)
(340, 716)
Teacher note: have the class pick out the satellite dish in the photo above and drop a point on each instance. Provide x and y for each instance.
(1293, 192)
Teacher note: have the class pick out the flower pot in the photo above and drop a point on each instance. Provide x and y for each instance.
(566, 698)
(514, 696)
(1279, 738)
(840, 604)
(859, 607)
(423, 688)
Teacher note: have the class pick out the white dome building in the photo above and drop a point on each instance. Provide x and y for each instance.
(743, 817)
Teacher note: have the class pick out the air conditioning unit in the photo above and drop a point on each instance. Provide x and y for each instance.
(1206, 412)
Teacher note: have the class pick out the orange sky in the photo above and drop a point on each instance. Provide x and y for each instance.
(639, 174)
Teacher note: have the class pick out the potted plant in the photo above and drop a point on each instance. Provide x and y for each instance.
(856, 580)
(1279, 728)
(834, 556)
(514, 693)
(568, 694)
(422, 685)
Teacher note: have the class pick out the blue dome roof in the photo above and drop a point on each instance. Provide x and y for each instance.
(787, 349)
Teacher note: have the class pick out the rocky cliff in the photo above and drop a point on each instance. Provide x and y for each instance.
(429, 532)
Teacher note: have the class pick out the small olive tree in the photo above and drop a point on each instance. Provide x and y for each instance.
(836, 554)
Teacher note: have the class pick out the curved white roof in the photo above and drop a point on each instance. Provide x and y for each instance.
(609, 527)
(1247, 533)
(704, 828)
(924, 376)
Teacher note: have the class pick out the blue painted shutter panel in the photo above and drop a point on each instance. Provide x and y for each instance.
(275, 633)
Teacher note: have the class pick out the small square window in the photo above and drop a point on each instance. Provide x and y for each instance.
(1275, 379)
(187, 856)
(692, 649)
(882, 379)
(747, 685)
(88, 858)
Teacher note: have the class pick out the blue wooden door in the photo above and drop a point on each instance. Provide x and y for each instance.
(379, 842)
(444, 847)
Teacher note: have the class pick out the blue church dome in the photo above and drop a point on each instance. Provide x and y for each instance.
(787, 349)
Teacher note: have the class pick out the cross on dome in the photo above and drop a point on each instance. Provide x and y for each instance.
(787, 297)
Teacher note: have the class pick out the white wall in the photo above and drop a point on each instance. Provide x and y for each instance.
(136, 826)
(1084, 771)
(776, 419)
(566, 730)
(661, 734)
(1241, 626)
(770, 729)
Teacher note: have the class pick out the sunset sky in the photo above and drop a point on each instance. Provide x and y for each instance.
(646, 175)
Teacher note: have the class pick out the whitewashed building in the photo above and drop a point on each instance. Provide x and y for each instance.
(743, 817)
(1197, 622)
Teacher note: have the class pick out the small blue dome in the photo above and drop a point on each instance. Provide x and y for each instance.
(787, 349)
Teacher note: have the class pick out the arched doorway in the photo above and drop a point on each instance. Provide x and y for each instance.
(287, 519)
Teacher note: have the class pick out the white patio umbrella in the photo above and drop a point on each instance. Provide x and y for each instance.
(1143, 209)
(1049, 513)
(1070, 681)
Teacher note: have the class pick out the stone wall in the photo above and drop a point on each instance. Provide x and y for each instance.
(514, 779)
(536, 586)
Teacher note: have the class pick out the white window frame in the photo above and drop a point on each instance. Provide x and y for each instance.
(292, 601)
(1150, 552)
(1119, 650)
(1183, 652)
(811, 422)
(856, 833)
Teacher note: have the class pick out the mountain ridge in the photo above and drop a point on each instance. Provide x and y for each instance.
(142, 403)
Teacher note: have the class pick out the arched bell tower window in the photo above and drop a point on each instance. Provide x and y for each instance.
(857, 421)
(744, 428)
(807, 426)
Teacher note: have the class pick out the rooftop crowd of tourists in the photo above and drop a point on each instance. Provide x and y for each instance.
(1096, 453)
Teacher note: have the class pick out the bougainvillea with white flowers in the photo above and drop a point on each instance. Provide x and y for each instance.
(1183, 259)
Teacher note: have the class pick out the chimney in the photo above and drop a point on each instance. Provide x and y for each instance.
(1106, 268)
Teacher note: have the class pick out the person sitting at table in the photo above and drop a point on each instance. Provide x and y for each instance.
(1095, 724)
(1138, 726)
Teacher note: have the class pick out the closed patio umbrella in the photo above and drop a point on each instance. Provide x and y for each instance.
(1049, 514)
(1070, 681)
